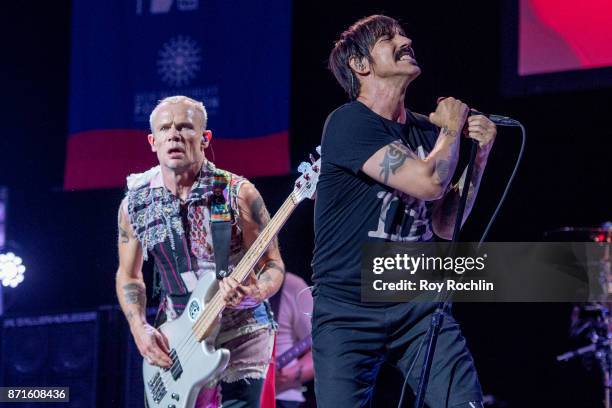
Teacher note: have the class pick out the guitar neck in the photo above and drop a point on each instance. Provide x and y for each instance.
(216, 305)
(294, 352)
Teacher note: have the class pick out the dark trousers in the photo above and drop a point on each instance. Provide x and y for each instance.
(351, 341)
(288, 404)
(245, 393)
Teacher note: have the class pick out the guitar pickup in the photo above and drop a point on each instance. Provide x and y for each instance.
(176, 369)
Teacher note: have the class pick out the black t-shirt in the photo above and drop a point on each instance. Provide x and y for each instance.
(351, 208)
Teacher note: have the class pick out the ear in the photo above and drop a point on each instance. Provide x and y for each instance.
(206, 138)
(360, 65)
(151, 140)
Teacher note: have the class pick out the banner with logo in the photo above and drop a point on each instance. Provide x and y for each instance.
(234, 55)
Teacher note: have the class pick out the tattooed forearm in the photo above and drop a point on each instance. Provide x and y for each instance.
(442, 170)
(129, 315)
(395, 156)
(135, 294)
(448, 207)
(273, 265)
(445, 166)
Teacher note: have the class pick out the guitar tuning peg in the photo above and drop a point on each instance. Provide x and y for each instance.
(304, 167)
(312, 158)
(318, 149)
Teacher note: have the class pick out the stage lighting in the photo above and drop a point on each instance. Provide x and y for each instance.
(12, 270)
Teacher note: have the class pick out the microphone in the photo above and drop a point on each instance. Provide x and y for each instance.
(497, 119)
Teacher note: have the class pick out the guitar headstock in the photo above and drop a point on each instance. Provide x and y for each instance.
(306, 184)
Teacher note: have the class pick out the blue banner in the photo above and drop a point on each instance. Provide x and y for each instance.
(234, 55)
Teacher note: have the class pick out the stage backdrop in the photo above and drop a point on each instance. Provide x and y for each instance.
(234, 55)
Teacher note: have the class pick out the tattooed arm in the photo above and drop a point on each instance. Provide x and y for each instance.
(397, 166)
(253, 218)
(131, 293)
(480, 128)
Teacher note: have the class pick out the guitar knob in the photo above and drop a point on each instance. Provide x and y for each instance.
(171, 406)
(298, 184)
(306, 176)
(315, 168)
(175, 396)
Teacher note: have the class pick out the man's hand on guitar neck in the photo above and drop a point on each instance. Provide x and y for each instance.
(234, 292)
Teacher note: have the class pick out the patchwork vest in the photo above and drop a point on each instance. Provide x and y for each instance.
(175, 233)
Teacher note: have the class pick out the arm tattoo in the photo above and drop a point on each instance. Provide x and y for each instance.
(260, 213)
(261, 216)
(442, 166)
(123, 235)
(134, 294)
(448, 132)
(395, 156)
(129, 315)
(442, 170)
(450, 202)
(274, 265)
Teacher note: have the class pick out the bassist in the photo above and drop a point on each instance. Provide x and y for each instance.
(166, 216)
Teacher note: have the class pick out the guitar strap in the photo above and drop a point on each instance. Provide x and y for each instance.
(221, 233)
(221, 221)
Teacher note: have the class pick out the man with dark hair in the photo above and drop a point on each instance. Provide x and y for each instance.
(386, 177)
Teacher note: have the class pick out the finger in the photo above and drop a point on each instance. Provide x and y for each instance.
(163, 343)
(476, 128)
(244, 290)
(478, 118)
(157, 357)
(223, 287)
(231, 283)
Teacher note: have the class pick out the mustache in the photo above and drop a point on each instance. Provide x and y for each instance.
(405, 50)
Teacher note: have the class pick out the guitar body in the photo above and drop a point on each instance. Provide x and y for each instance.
(195, 363)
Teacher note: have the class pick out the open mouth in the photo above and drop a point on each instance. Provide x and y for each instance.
(175, 151)
(405, 54)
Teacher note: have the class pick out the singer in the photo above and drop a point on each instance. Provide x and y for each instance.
(386, 176)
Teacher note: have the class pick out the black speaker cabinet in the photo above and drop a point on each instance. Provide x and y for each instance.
(52, 351)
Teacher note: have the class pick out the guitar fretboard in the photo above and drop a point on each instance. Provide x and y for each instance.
(294, 352)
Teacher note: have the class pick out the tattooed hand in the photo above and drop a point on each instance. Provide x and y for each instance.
(450, 114)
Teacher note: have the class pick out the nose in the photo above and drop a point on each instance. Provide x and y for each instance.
(404, 41)
(174, 135)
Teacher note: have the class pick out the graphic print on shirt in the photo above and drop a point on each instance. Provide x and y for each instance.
(402, 218)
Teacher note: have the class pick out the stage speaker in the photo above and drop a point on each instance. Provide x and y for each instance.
(52, 351)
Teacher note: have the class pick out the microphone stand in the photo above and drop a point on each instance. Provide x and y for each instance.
(438, 316)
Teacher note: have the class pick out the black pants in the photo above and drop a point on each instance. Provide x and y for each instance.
(244, 393)
(350, 342)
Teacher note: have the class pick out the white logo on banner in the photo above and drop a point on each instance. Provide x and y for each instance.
(179, 61)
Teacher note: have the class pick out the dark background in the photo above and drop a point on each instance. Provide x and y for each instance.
(67, 239)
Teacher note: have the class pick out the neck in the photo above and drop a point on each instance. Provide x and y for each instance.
(385, 99)
(179, 182)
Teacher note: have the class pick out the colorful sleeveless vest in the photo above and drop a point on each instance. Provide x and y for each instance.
(176, 234)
